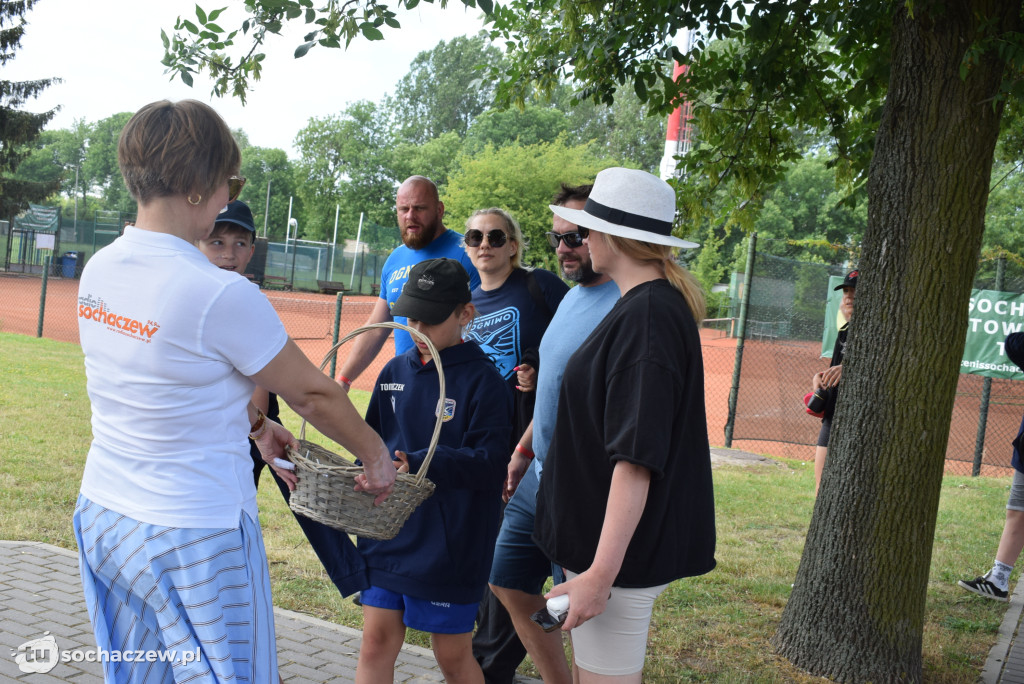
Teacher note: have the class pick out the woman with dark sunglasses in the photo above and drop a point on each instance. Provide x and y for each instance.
(514, 306)
(169, 541)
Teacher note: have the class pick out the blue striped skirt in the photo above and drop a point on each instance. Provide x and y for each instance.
(199, 596)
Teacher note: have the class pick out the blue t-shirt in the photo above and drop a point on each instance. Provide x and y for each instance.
(580, 312)
(400, 262)
(509, 320)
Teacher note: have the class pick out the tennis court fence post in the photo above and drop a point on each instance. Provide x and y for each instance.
(741, 334)
(986, 389)
(337, 329)
(42, 297)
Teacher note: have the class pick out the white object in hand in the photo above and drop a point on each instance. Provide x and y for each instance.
(283, 464)
(558, 606)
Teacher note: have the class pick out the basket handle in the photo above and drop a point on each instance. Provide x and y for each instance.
(333, 351)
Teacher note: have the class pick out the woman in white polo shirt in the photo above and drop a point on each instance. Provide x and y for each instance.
(171, 553)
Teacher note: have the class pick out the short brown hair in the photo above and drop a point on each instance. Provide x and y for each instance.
(571, 192)
(176, 148)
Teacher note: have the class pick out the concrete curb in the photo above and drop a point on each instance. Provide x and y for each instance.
(1000, 654)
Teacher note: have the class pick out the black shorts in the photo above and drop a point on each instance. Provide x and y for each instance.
(826, 429)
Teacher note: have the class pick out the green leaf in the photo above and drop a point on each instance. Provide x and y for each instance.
(214, 27)
(215, 13)
(165, 39)
(310, 15)
(303, 49)
(201, 14)
(189, 26)
(411, 3)
(486, 5)
(641, 89)
(392, 22)
(186, 78)
(371, 33)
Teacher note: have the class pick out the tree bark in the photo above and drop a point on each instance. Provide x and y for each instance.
(856, 612)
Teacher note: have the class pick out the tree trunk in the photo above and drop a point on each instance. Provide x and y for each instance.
(857, 610)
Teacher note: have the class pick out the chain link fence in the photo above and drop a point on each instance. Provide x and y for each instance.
(783, 349)
(781, 352)
(47, 307)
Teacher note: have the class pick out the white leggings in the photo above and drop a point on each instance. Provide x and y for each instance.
(615, 642)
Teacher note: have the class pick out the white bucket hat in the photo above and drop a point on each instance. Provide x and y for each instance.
(629, 203)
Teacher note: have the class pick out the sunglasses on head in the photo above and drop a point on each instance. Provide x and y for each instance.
(572, 240)
(495, 238)
(235, 185)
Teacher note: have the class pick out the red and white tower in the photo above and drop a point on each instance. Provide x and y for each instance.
(679, 134)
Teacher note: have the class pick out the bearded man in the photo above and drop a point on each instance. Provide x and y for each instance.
(420, 213)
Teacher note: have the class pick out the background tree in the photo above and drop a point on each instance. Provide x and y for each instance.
(100, 171)
(260, 166)
(528, 126)
(444, 89)
(18, 128)
(806, 206)
(435, 159)
(626, 129)
(345, 161)
(521, 179)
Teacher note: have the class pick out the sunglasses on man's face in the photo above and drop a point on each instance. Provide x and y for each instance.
(572, 240)
(495, 238)
(235, 185)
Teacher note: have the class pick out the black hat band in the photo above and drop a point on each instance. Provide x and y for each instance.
(625, 218)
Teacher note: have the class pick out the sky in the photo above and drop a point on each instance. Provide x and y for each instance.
(108, 54)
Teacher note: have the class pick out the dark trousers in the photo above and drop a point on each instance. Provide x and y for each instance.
(496, 646)
(334, 548)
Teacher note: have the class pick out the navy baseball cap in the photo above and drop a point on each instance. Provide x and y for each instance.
(849, 281)
(434, 288)
(238, 213)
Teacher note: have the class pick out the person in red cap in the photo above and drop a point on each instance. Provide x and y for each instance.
(829, 379)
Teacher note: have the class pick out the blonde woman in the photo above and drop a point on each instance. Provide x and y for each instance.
(625, 504)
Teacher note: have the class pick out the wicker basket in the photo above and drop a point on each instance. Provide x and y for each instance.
(325, 488)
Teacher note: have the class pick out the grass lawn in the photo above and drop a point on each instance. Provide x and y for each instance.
(711, 628)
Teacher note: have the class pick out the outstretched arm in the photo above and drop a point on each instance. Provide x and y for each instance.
(323, 402)
(366, 347)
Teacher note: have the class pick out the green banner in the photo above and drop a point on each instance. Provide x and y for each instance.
(833, 319)
(992, 316)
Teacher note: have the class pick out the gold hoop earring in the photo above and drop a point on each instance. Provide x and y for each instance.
(199, 198)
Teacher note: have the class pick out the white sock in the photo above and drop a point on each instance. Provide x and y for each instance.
(999, 575)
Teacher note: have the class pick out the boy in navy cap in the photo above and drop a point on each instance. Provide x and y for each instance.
(431, 576)
(233, 240)
(230, 246)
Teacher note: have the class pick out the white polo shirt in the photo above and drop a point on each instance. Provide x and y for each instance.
(169, 341)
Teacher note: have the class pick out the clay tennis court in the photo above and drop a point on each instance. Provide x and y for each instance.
(769, 417)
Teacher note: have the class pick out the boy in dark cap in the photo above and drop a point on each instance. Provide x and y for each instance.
(230, 246)
(431, 576)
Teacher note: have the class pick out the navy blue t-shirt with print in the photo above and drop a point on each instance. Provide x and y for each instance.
(510, 320)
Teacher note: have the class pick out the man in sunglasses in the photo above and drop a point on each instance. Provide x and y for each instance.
(520, 569)
(420, 214)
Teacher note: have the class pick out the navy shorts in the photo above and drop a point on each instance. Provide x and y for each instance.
(436, 617)
(518, 563)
